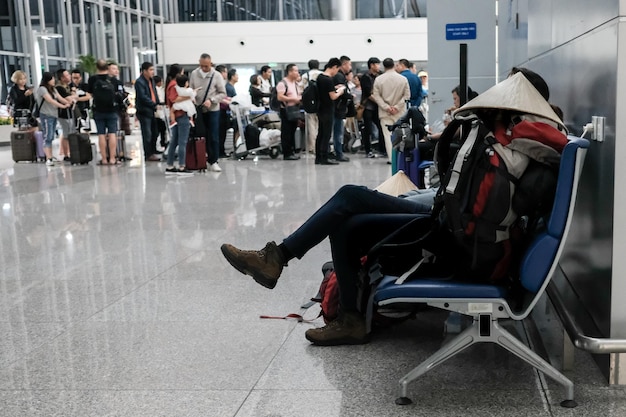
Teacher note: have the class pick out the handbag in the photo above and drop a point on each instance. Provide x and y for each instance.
(292, 112)
(201, 109)
(200, 129)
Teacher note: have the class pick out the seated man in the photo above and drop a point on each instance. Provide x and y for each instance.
(341, 219)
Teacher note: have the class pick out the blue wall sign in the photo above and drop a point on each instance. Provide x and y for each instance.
(460, 31)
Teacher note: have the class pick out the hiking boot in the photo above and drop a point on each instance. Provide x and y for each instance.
(347, 329)
(264, 265)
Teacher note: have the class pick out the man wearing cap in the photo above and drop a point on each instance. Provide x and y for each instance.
(370, 112)
(423, 75)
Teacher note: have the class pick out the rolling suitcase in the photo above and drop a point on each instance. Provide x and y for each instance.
(195, 158)
(23, 146)
(409, 163)
(80, 148)
(121, 147)
(39, 153)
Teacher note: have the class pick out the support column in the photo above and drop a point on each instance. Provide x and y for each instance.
(342, 10)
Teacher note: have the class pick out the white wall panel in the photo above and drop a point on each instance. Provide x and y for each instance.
(289, 41)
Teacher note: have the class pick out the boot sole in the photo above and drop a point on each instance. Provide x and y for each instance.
(338, 342)
(260, 279)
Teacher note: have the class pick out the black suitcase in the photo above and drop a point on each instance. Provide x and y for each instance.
(23, 146)
(80, 148)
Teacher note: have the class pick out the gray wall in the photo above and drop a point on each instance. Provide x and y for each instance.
(575, 48)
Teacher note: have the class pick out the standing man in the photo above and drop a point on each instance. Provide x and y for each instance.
(370, 112)
(266, 76)
(66, 116)
(310, 119)
(105, 106)
(288, 94)
(82, 99)
(415, 84)
(390, 92)
(146, 102)
(211, 92)
(341, 108)
(328, 93)
(114, 73)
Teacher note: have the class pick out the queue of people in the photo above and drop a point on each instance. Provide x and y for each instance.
(359, 102)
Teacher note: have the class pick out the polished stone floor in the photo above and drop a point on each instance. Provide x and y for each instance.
(115, 301)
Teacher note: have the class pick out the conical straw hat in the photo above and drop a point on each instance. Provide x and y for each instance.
(398, 184)
(515, 93)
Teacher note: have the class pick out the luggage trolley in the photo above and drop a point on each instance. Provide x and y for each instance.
(248, 142)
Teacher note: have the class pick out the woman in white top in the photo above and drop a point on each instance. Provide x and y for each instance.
(49, 101)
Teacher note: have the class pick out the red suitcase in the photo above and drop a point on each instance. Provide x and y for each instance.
(196, 154)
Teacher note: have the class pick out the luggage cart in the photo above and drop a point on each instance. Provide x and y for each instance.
(248, 141)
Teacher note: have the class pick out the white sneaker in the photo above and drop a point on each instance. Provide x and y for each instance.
(49, 163)
(215, 168)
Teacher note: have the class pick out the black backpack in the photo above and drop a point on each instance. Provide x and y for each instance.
(482, 197)
(276, 104)
(105, 98)
(310, 98)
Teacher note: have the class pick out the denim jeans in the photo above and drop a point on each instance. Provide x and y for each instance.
(338, 136)
(48, 127)
(180, 135)
(212, 123)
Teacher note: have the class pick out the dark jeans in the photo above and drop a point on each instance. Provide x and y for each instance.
(148, 130)
(353, 239)
(370, 117)
(324, 132)
(287, 133)
(212, 122)
(162, 131)
(338, 136)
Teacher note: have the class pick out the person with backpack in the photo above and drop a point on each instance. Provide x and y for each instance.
(310, 118)
(105, 111)
(354, 220)
(289, 97)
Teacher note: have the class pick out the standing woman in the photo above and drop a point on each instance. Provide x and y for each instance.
(20, 96)
(180, 130)
(49, 101)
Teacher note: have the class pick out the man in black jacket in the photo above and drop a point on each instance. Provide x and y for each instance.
(146, 101)
(370, 114)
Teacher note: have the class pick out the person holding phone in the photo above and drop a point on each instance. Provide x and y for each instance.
(20, 96)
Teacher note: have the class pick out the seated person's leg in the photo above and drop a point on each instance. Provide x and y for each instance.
(349, 243)
(266, 265)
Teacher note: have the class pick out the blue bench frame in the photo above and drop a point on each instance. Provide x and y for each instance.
(487, 304)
